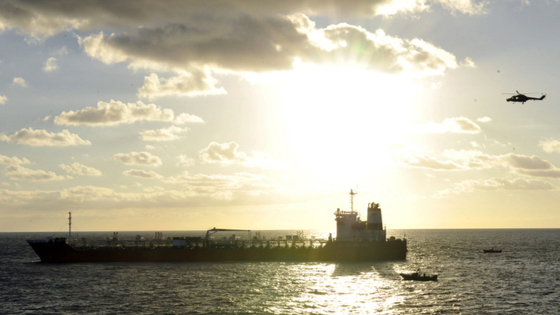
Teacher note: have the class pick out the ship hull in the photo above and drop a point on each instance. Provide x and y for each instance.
(331, 252)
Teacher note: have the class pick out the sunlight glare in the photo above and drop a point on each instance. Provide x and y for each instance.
(343, 119)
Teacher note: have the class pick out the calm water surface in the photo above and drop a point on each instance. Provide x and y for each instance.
(523, 279)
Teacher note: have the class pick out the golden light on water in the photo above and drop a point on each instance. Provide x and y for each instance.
(344, 288)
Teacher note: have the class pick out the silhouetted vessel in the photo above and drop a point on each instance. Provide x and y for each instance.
(416, 276)
(492, 250)
(356, 240)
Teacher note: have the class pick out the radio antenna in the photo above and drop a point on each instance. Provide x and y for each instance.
(69, 225)
(352, 193)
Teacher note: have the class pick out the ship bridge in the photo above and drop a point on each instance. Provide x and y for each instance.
(350, 227)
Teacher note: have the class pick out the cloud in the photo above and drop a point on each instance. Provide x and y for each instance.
(222, 153)
(550, 146)
(3, 99)
(468, 63)
(198, 39)
(164, 134)
(62, 51)
(484, 119)
(531, 166)
(17, 172)
(19, 81)
(243, 45)
(44, 138)
(79, 169)
(454, 125)
(185, 161)
(138, 158)
(115, 112)
(184, 84)
(13, 160)
(220, 186)
(474, 159)
(227, 154)
(464, 6)
(141, 173)
(518, 184)
(424, 161)
(45, 19)
(527, 162)
(88, 193)
(50, 65)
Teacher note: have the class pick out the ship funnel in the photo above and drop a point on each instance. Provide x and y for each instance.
(374, 219)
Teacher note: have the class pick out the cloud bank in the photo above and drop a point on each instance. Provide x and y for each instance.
(115, 112)
(40, 138)
(199, 38)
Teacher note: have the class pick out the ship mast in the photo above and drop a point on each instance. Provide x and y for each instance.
(69, 224)
(352, 193)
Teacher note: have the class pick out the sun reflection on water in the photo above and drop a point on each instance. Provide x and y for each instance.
(340, 289)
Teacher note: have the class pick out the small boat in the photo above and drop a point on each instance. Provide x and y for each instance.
(492, 250)
(416, 276)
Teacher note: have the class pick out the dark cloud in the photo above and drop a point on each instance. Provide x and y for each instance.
(235, 36)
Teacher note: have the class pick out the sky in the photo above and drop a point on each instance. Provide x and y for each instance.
(250, 114)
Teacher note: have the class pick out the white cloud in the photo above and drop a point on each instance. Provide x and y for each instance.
(464, 6)
(185, 161)
(475, 144)
(79, 169)
(115, 112)
(17, 172)
(187, 84)
(484, 119)
(51, 65)
(227, 154)
(550, 146)
(222, 153)
(164, 134)
(454, 125)
(219, 186)
(519, 184)
(468, 63)
(13, 160)
(44, 138)
(89, 193)
(3, 99)
(138, 158)
(19, 81)
(424, 161)
(143, 174)
(474, 159)
(62, 51)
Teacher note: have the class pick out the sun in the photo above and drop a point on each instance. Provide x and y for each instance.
(343, 119)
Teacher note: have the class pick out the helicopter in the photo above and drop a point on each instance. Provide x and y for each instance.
(523, 98)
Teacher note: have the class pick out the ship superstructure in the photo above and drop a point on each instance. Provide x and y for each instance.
(350, 227)
(356, 240)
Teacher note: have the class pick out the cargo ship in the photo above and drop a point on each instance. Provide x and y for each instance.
(356, 240)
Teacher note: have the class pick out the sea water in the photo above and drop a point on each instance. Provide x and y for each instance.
(523, 279)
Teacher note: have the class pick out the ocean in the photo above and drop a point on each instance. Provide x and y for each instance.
(523, 279)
